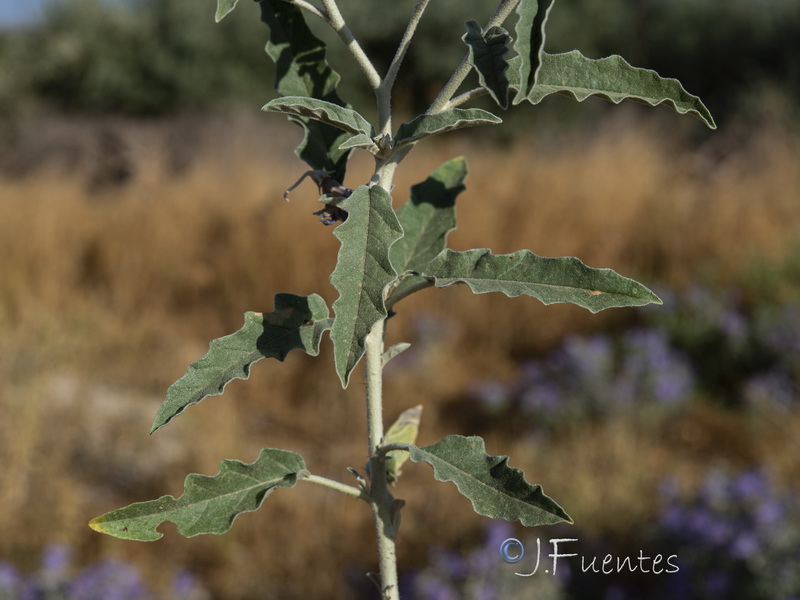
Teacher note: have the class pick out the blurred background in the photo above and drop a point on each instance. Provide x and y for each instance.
(141, 214)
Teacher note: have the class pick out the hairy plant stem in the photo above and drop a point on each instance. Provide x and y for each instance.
(442, 101)
(336, 20)
(467, 96)
(336, 485)
(310, 8)
(384, 91)
(381, 500)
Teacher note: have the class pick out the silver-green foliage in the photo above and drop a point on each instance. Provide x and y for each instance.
(387, 254)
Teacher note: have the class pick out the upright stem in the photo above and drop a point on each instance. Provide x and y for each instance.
(381, 500)
(374, 384)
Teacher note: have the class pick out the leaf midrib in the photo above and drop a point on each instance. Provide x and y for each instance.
(237, 492)
(484, 484)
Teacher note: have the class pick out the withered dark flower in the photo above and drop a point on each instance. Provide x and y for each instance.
(329, 188)
(331, 214)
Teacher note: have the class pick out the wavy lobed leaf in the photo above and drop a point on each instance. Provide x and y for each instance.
(449, 120)
(322, 111)
(363, 270)
(224, 7)
(301, 69)
(297, 323)
(613, 79)
(487, 52)
(529, 44)
(427, 218)
(208, 504)
(495, 489)
(550, 280)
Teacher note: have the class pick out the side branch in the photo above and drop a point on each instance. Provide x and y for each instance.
(310, 8)
(335, 20)
(467, 96)
(385, 90)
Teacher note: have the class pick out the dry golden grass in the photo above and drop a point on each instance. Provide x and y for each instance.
(106, 297)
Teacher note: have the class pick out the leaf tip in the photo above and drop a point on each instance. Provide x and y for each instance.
(224, 8)
(100, 525)
(97, 524)
(344, 378)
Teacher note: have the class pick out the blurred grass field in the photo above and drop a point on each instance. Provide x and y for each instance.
(108, 292)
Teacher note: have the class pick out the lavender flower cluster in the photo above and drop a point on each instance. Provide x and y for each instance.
(745, 353)
(479, 574)
(594, 376)
(105, 580)
(736, 538)
(699, 343)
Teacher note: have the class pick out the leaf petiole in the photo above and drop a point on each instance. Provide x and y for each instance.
(336, 485)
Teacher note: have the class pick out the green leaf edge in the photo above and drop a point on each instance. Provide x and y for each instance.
(529, 43)
(296, 52)
(694, 104)
(492, 77)
(559, 515)
(329, 113)
(361, 140)
(402, 257)
(645, 296)
(348, 334)
(193, 482)
(224, 8)
(171, 409)
(459, 118)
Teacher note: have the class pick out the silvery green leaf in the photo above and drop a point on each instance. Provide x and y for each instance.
(529, 43)
(495, 489)
(208, 504)
(325, 112)
(301, 69)
(487, 50)
(297, 323)
(550, 280)
(613, 79)
(449, 120)
(427, 218)
(363, 270)
(361, 140)
(224, 7)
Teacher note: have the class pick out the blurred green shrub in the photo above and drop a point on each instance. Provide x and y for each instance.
(142, 57)
(155, 57)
